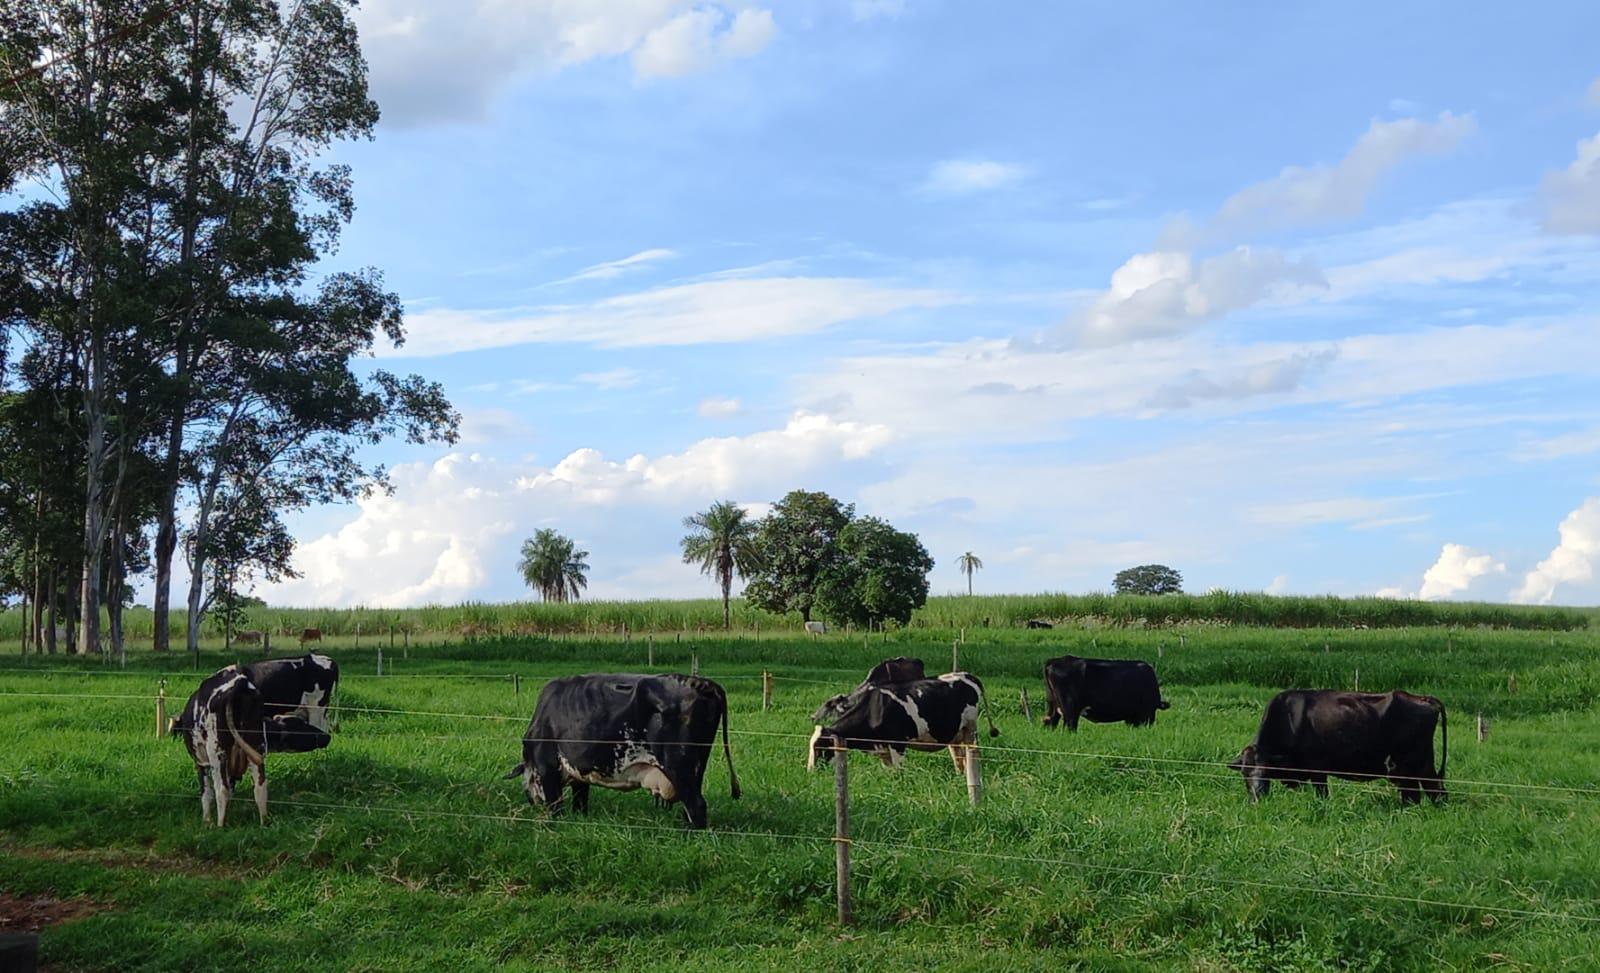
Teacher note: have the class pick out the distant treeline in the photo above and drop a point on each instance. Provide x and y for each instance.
(946, 612)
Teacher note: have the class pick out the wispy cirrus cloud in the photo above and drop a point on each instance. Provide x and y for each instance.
(959, 177)
(702, 312)
(616, 268)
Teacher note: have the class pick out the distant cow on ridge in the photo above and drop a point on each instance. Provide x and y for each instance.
(1309, 735)
(1104, 690)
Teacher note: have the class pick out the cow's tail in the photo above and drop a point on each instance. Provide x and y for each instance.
(516, 771)
(994, 731)
(251, 753)
(1444, 734)
(1163, 704)
(733, 778)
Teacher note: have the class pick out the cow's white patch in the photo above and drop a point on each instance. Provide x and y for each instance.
(323, 661)
(314, 708)
(635, 767)
(535, 795)
(924, 734)
(811, 748)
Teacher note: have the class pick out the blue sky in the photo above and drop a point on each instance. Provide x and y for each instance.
(1292, 297)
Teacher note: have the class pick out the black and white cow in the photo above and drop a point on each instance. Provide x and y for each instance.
(1104, 690)
(1309, 735)
(898, 669)
(625, 731)
(224, 727)
(297, 694)
(922, 714)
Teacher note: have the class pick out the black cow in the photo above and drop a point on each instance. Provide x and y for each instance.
(624, 732)
(1308, 735)
(898, 669)
(923, 714)
(224, 727)
(1038, 623)
(1104, 690)
(297, 694)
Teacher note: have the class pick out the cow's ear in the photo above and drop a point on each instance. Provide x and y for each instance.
(876, 703)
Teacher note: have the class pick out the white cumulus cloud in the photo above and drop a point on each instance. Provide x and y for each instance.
(1454, 572)
(1572, 562)
(718, 408)
(1166, 292)
(1571, 196)
(441, 62)
(449, 530)
(1303, 195)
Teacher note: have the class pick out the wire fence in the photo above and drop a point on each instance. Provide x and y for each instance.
(897, 848)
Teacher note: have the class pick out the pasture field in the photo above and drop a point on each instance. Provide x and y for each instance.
(400, 848)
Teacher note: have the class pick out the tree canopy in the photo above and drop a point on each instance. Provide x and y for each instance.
(880, 575)
(553, 566)
(1148, 579)
(797, 541)
(722, 542)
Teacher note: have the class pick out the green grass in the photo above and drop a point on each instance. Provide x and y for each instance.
(400, 848)
(952, 612)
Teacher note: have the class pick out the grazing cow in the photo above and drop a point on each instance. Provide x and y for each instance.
(816, 628)
(1039, 623)
(923, 714)
(310, 635)
(624, 732)
(1104, 690)
(223, 725)
(297, 694)
(898, 669)
(1308, 735)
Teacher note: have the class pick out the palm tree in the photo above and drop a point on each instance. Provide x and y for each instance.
(553, 566)
(722, 540)
(968, 563)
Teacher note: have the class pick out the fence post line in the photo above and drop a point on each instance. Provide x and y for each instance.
(380, 660)
(1358, 679)
(1483, 728)
(516, 684)
(694, 664)
(841, 832)
(1161, 650)
(358, 635)
(1027, 708)
(766, 691)
(955, 657)
(161, 710)
(974, 771)
(652, 652)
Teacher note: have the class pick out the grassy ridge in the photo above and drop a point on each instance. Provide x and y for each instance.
(1074, 861)
(946, 612)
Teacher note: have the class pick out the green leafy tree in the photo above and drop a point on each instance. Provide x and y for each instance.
(880, 575)
(553, 566)
(796, 541)
(722, 541)
(967, 564)
(1148, 579)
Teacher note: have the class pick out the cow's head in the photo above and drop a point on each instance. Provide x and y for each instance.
(1249, 764)
(829, 712)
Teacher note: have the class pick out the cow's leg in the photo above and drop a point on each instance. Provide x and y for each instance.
(258, 785)
(580, 796)
(1073, 711)
(1258, 783)
(892, 756)
(207, 802)
(1320, 784)
(223, 789)
(958, 757)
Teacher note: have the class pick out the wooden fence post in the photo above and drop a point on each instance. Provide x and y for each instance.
(766, 691)
(652, 651)
(955, 656)
(1483, 728)
(161, 710)
(841, 832)
(516, 684)
(380, 660)
(974, 774)
(358, 635)
(1358, 679)
(694, 664)
(1027, 708)
(1183, 641)
(1161, 650)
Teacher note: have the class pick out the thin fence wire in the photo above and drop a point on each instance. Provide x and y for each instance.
(899, 848)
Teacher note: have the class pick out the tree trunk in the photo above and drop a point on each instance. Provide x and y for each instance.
(50, 614)
(167, 533)
(969, 584)
(727, 586)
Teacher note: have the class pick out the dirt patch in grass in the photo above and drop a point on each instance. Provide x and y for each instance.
(31, 913)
